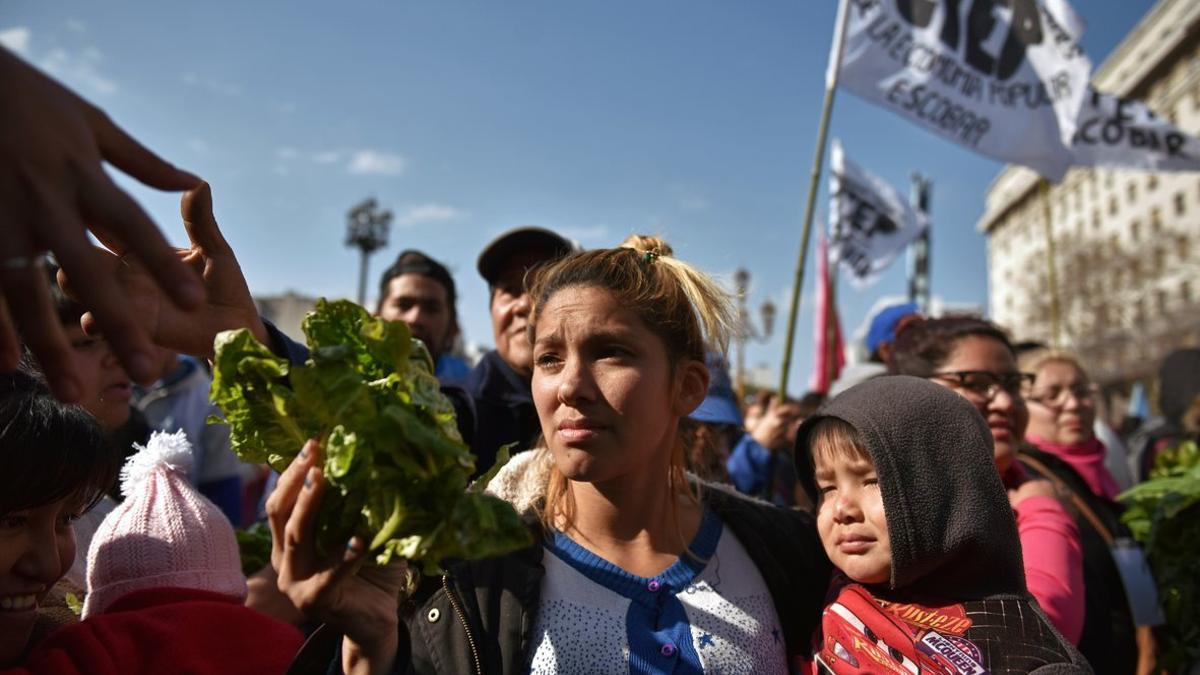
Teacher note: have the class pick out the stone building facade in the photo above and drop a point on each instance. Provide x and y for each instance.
(1126, 242)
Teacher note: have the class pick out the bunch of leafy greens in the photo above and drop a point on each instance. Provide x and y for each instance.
(1164, 515)
(396, 467)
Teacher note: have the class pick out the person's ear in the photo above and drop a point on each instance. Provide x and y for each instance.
(692, 379)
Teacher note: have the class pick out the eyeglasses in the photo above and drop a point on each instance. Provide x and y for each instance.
(1056, 397)
(985, 384)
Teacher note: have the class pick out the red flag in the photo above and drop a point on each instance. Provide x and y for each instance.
(827, 334)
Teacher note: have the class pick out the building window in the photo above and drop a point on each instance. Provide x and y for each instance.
(1180, 204)
(1096, 219)
(1108, 179)
(1112, 206)
(1156, 219)
(1135, 271)
(1182, 246)
(1131, 192)
(1160, 301)
(1185, 291)
(1135, 230)
(1152, 182)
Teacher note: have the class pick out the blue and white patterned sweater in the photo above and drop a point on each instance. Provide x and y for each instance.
(709, 614)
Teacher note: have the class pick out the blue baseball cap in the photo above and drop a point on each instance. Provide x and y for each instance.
(720, 405)
(883, 326)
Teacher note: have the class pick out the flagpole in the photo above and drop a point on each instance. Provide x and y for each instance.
(1051, 271)
(831, 77)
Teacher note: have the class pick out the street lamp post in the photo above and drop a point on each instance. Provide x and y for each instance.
(746, 329)
(367, 230)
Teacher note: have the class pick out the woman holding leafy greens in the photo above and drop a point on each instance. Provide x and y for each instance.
(634, 567)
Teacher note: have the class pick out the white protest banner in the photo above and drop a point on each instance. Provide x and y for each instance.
(869, 222)
(1126, 133)
(1005, 78)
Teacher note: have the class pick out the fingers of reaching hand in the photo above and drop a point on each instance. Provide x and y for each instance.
(122, 225)
(93, 282)
(196, 208)
(30, 310)
(127, 154)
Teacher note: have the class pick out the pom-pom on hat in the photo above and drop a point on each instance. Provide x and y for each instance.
(164, 535)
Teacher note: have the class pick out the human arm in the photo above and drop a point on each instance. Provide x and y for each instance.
(54, 190)
(1053, 557)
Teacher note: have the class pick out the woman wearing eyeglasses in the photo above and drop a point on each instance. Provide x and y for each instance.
(975, 359)
(1063, 448)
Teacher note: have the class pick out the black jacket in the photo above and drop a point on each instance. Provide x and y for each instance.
(1109, 634)
(478, 617)
(503, 409)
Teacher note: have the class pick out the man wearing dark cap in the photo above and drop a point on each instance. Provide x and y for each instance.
(419, 291)
(499, 383)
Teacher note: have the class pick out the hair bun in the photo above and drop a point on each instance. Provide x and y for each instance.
(647, 243)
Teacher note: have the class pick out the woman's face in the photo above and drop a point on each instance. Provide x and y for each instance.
(1004, 410)
(607, 397)
(1062, 408)
(37, 547)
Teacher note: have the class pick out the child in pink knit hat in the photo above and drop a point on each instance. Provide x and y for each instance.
(165, 585)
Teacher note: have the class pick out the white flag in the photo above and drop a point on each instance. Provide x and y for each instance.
(1005, 79)
(869, 222)
(1126, 133)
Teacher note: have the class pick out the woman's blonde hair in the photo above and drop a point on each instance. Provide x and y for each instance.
(1033, 361)
(683, 306)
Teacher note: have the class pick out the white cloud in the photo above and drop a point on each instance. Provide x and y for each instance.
(16, 38)
(327, 157)
(79, 70)
(429, 213)
(76, 26)
(287, 153)
(366, 162)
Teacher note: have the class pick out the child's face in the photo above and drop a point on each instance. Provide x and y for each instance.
(106, 388)
(850, 517)
(37, 547)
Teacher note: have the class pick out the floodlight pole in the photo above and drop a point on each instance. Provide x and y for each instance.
(367, 230)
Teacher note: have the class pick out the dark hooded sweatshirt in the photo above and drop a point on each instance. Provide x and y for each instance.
(957, 597)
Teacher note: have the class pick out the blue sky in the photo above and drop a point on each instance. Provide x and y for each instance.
(693, 119)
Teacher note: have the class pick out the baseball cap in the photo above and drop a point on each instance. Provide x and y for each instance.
(528, 238)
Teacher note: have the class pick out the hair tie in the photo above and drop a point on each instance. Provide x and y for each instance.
(650, 256)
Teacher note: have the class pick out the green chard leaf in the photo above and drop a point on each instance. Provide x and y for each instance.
(396, 466)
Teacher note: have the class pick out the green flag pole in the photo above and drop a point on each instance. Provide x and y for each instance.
(831, 77)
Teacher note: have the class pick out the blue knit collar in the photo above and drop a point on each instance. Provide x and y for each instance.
(643, 590)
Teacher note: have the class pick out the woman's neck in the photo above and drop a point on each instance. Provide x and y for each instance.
(635, 522)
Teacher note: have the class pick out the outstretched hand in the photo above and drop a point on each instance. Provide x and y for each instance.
(359, 600)
(54, 190)
(228, 305)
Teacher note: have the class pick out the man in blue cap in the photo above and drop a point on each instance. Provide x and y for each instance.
(878, 341)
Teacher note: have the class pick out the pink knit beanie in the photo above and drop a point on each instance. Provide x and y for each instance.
(164, 535)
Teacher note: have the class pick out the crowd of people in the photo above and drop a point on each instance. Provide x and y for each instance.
(947, 507)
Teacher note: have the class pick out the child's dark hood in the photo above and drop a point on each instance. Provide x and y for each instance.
(952, 531)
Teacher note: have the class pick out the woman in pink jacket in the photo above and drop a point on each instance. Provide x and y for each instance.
(975, 359)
